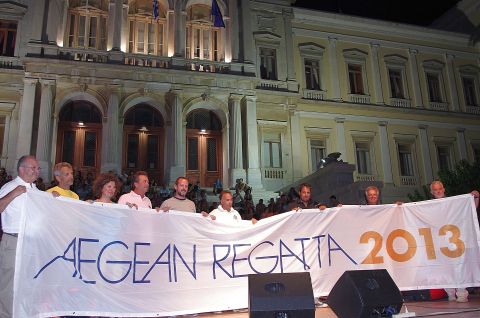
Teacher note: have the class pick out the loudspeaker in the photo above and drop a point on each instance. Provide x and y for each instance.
(288, 295)
(365, 293)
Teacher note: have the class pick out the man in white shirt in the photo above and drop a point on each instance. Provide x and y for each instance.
(12, 199)
(136, 197)
(225, 213)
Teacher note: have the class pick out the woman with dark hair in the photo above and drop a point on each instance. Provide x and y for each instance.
(105, 188)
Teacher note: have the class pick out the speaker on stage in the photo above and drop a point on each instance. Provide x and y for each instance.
(365, 293)
(288, 295)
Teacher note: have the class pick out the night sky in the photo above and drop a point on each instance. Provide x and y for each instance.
(419, 12)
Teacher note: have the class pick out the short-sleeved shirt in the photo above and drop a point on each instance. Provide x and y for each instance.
(64, 193)
(174, 203)
(11, 216)
(133, 198)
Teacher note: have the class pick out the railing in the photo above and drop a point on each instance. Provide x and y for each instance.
(83, 55)
(10, 62)
(313, 94)
(439, 106)
(273, 173)
(272, 85)
(147, 60)
(400, 102)
(359, 99)
(365, 177)
(207, 66)
(473, 110)
(408, 180)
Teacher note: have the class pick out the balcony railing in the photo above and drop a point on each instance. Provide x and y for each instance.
(400, 102)
(359, 99)
(272, 85)
(313, 94)
(408, 180)
(439, 106)
(147, 60)
(207, 66)
(83, 55)
(365, 177)
(473, 110)
(11, 62)
(273, 173)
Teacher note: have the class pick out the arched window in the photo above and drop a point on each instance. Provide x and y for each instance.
(203, 40)
(203, 120)
(146, 35)
(87, 24)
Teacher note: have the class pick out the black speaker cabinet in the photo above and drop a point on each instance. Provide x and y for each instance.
(365, 293)
(288, 295)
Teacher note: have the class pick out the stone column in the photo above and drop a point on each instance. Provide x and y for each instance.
(377, 79)
(5, 141)
(180, 32)
(111, 24)
(175, 101)
(417, 93)
(462, 144)
(24, 139)
(171, 33)
(452, 83)
(63, 24)
(236, 143)
(44, 138)
(341, 144)
(111, 133)
(247, 50)
(117, 29)
(297, 154)
(227, 55)
(292, 84)
(332, 58)
(426, 158)
(254, 176)
(385, 152)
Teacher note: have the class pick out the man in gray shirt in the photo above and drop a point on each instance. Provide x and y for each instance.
(179, 201)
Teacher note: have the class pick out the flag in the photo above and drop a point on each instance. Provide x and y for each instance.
(155, 9)
(217, 15)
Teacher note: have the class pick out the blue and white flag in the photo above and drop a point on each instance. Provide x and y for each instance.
(155, 9)
(217, 15)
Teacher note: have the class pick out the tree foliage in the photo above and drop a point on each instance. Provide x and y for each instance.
(463, 178)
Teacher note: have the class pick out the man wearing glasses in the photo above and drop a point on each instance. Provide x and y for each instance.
(12, 199)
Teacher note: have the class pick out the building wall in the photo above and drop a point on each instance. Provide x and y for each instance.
(44, 76)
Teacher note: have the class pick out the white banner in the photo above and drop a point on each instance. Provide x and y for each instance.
(76, 258)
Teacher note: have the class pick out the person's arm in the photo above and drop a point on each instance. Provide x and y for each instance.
(8, 198)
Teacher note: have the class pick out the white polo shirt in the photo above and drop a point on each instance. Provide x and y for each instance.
(134, 198)
(225, 216)
(12, 214)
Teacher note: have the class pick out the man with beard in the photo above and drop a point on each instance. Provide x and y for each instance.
(179, 201)
(305, 200)
(136, 197)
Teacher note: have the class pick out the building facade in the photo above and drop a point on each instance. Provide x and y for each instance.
(106, 85)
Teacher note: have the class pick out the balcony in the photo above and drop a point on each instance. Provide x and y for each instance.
(313, 94)
(400, 102)
(443, 106)
(408, 180)
(473, 110)
(147, 60)
(365, 177)
(273, 173)
(272, 85)
(359, 99)
(206, 66)
(83, 55)
(11, 62)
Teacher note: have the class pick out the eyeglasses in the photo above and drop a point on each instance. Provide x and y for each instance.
(33, 168)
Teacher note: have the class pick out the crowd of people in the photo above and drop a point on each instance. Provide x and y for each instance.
(136, 191)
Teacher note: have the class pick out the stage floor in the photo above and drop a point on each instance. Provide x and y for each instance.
(436, 308)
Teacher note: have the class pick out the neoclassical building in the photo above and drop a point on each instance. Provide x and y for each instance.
(105, 85)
